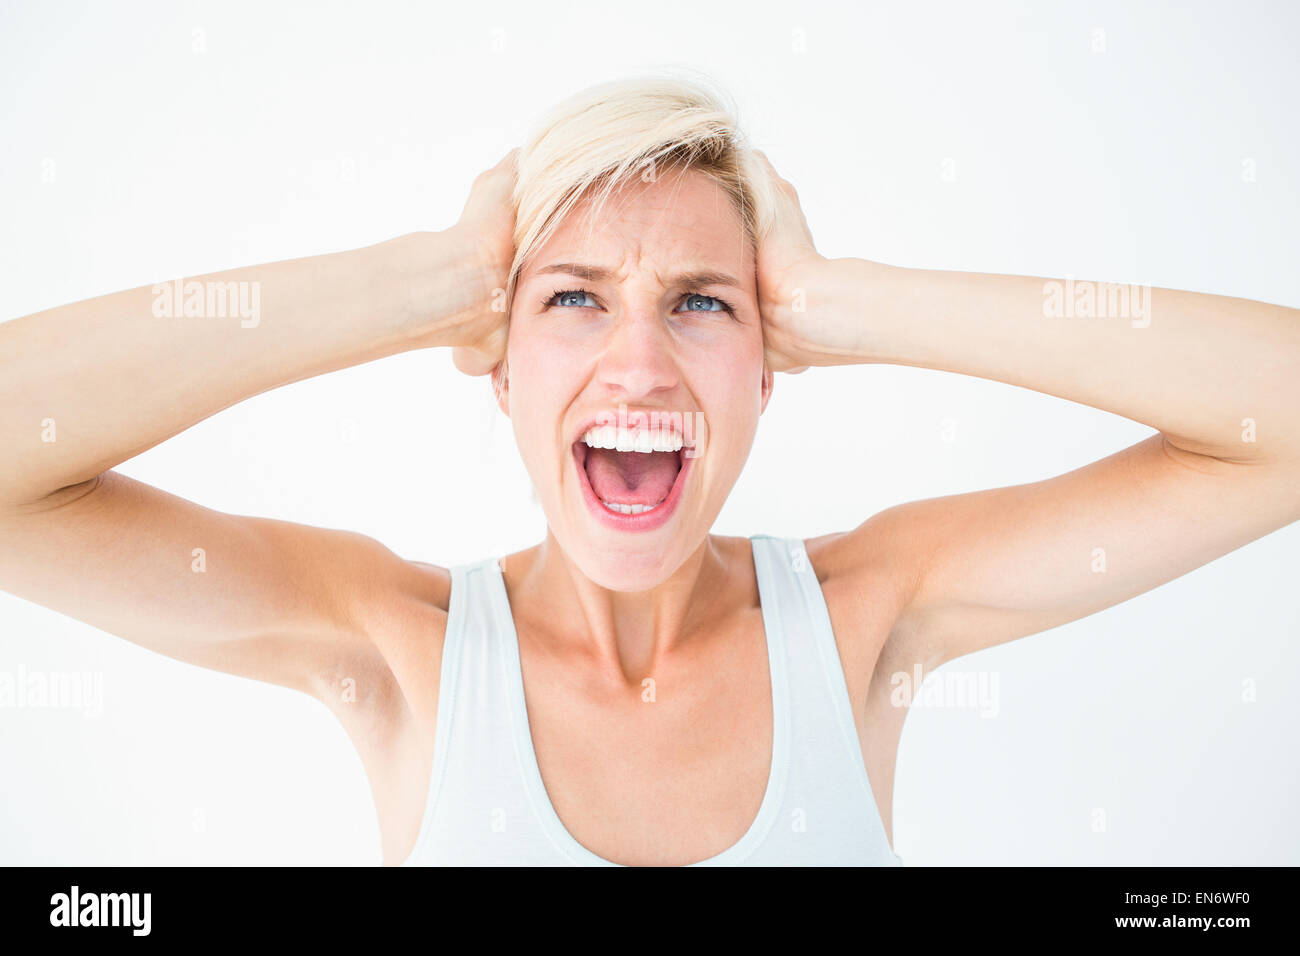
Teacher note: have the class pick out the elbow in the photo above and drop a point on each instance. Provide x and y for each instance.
(14, 506)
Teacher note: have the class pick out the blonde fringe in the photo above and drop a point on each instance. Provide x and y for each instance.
(615, 132)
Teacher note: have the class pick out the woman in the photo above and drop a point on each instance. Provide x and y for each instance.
(634, 689)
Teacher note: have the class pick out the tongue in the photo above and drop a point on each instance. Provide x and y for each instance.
(630, 477)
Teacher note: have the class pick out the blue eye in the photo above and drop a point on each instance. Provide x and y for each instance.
(565, 298)
(573, 299)
(695, 297)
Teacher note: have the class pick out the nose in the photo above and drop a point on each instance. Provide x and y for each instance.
(637, 361)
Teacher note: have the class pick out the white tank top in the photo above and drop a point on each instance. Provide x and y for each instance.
(487, 805)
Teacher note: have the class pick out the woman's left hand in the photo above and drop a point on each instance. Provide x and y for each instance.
(803, 325)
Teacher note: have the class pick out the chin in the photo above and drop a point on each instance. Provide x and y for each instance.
(630, 567)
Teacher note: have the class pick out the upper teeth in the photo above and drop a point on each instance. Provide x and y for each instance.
(630, 509)
(628, 439)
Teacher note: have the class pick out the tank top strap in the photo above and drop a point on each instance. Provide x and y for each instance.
(469, 607)
(487, 804)
(818, 688)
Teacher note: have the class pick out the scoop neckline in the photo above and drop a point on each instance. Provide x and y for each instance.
(780, 757)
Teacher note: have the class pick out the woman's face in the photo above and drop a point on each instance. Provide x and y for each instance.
(643, 325)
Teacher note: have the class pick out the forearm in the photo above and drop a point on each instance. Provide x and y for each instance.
(1219, 376)
(89, 385)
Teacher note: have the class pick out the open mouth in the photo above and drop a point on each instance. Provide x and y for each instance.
(631, 478)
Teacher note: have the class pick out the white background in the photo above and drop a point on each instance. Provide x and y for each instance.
(147, 141)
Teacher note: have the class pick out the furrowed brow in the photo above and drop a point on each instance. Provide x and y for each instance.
(601, 274)
(695, 279)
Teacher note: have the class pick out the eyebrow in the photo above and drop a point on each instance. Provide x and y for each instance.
(601, 274)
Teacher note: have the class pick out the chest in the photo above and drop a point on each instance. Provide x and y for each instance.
(671, 768)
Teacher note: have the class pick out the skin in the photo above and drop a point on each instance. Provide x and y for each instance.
(640, 341)
(662, 605)
(916, 585)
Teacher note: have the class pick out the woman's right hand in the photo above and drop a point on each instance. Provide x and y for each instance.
(487, 227)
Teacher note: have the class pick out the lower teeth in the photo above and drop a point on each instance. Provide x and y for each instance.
(630, 509)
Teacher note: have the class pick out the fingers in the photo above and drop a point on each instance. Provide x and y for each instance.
(783, 184)
(473, 361)
(509, 163)
(493, 187)
(788, 212)
(484, 352)
(780, 363)
(508, 167)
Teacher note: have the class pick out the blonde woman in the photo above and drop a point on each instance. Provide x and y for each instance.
(633, 689)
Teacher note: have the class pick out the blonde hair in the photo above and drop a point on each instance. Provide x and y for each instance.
(623, 130)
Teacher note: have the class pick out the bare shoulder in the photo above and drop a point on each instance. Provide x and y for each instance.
(867, 576)
(864, 572)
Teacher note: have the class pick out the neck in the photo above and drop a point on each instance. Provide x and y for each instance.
(624, 635)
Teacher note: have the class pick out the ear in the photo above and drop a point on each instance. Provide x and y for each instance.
(767, 383)
(501, 387)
